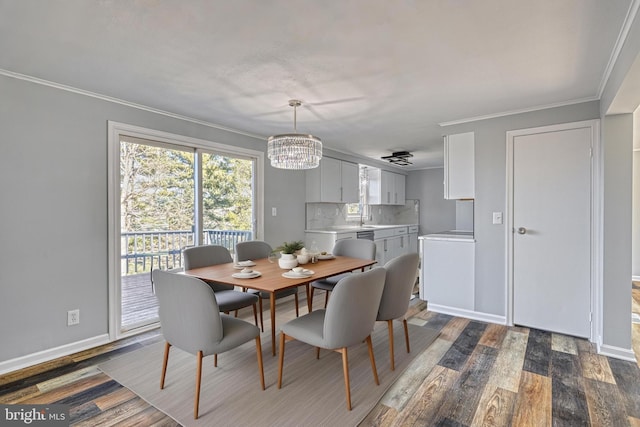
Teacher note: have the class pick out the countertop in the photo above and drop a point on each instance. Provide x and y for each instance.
(355, 228)
(450, 235)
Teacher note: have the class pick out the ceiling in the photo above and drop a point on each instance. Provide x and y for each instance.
(374, 76)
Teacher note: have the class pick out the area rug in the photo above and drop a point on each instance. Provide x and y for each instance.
(312, 392)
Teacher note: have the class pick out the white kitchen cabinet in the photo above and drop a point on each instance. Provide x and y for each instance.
(400, 189)
(386, 188)
(447, 273)
(334, 181)
(459, 160)
(391, 243)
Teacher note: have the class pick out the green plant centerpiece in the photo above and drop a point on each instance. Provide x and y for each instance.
(290, 247)
(288, 260)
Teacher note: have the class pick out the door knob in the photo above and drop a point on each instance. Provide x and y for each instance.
(522, 230)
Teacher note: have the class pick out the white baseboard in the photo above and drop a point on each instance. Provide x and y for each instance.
(635, 278)
(469, 314)
(617, 352)
(52, 353)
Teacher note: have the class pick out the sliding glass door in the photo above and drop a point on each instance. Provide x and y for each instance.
(171, 196)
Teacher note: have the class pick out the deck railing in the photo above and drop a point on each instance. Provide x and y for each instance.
(145, 250)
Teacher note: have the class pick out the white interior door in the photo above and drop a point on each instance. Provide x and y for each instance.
(552, 231)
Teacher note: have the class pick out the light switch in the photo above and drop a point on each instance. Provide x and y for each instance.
(274, 211)
(497, 217)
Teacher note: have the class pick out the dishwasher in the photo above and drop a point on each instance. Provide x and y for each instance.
(365, 234)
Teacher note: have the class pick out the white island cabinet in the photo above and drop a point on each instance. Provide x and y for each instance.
(447, 271)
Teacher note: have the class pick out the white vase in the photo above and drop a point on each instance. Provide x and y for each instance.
(287, 261)
(303, 259)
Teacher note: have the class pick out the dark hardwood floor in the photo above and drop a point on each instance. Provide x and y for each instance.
(473, 374)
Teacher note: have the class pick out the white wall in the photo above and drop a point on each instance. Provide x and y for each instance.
(617, 141)
(53, 219)
(436, 213)
(617, 137)
(635, 241)
(464, 215)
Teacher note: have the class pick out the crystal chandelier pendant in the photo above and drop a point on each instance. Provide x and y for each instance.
(294, 150)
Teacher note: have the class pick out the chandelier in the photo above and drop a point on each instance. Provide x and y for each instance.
(294, 150)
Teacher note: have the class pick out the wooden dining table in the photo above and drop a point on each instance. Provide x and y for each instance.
(272, 281)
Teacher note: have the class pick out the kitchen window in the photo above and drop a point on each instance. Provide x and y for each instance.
(360, 211)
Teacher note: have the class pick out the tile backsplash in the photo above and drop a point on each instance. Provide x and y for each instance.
(324, 215)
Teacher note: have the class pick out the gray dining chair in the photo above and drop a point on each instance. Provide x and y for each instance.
(191, 321)
(227, 297)
(348, 320)
(398, 287)
(257, 249)
(354, 248)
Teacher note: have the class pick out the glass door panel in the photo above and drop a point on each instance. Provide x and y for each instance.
(227, 199)
(156, 221)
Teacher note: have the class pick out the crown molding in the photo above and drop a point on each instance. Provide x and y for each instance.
(520, 111)
(72, 89)
(622, 37)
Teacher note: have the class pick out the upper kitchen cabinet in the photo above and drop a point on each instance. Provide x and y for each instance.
(459, 154)
(334, 181)
(386, 188)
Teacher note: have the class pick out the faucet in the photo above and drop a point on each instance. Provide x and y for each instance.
(362, 215)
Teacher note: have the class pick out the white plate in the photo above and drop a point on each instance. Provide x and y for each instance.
(326, 256)
(242, 264)
(251, 275)
(294, 275)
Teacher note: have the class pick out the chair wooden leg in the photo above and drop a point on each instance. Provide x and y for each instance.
(310, 297)
(261, 320)
(373, 360)
(196, 402)
(255, 314)
(260, 365)
(215, 360)
(281, 359)
(345, 370)
(406, 334)
(236, 315)
(390, 325)
(167, 346)
(317, 352)
(326, 298)
(295, 297)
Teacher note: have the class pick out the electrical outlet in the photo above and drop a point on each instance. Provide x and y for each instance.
(73, 317)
